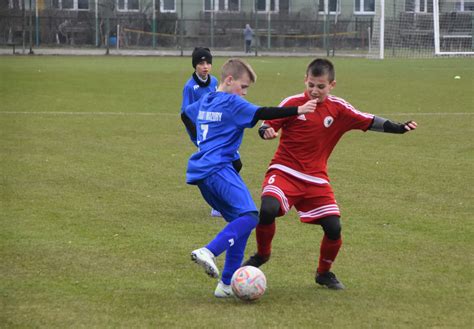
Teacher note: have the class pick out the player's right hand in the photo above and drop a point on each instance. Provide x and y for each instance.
(308, 107)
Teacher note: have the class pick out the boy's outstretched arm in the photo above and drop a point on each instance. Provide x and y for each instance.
(387, 126)
(269, 113)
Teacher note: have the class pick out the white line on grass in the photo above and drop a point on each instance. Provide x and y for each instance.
(429, 113)
(176, 114)
(91, 113)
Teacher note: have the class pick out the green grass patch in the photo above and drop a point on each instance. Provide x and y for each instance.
(98, 223)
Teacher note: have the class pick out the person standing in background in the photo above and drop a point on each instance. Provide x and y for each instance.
(248, 36)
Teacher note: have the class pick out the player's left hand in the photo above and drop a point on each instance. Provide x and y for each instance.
(410, 125)
(270, 133)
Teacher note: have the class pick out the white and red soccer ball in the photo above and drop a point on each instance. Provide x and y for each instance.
(248, 283)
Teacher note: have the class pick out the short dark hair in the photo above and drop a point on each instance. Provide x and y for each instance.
(320, 67)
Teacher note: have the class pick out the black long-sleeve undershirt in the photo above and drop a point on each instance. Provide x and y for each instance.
(262, 113)
(190, 126)
(270, 113)
(387, 126)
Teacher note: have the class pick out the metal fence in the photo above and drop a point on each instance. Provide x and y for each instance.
(305, 31)
(272, 32)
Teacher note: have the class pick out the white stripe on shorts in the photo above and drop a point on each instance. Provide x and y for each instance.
(323, 211)
(276, 190)
(298, 174)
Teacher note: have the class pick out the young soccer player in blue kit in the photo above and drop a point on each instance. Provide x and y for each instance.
(201, 81)
(220, 119)
(200, 84)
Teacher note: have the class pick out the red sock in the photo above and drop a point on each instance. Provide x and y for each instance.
(265, 235)
(328, 253)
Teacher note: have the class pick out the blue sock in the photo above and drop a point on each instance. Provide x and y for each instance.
(232, 232)
(233, 258)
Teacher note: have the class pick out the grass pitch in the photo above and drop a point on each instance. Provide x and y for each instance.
(98, 223)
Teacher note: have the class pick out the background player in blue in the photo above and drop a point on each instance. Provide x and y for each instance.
(201, 83)
(220, 119)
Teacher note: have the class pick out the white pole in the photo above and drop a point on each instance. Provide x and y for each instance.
(118, 36)
(436, 26)
(382, 29)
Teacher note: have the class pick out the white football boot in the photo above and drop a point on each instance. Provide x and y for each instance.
(207, 260)
(223, 290)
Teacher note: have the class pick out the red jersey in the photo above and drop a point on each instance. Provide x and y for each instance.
(307, 140)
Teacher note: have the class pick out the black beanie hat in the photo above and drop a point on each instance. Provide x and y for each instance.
(201, 54)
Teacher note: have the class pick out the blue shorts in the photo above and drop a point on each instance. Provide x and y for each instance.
(226, 192)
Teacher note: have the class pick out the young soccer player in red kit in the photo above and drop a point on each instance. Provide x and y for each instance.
(297, 175)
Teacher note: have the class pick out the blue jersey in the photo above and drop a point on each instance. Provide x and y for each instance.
(194, 89)
(220, 122)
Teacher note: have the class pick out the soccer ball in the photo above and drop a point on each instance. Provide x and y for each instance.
(248, 283)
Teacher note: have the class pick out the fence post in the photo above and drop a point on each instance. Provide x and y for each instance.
(30, 25)
(181, 29)
(269, 43)
(154, 25)
(37, 22)
(97, 23)
(107, 34)
(118, 37)
(212, 23)
(325, 27)
(257, 40)
(23, 26)
(369, 39)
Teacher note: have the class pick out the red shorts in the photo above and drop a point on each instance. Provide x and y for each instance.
(312, 201)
